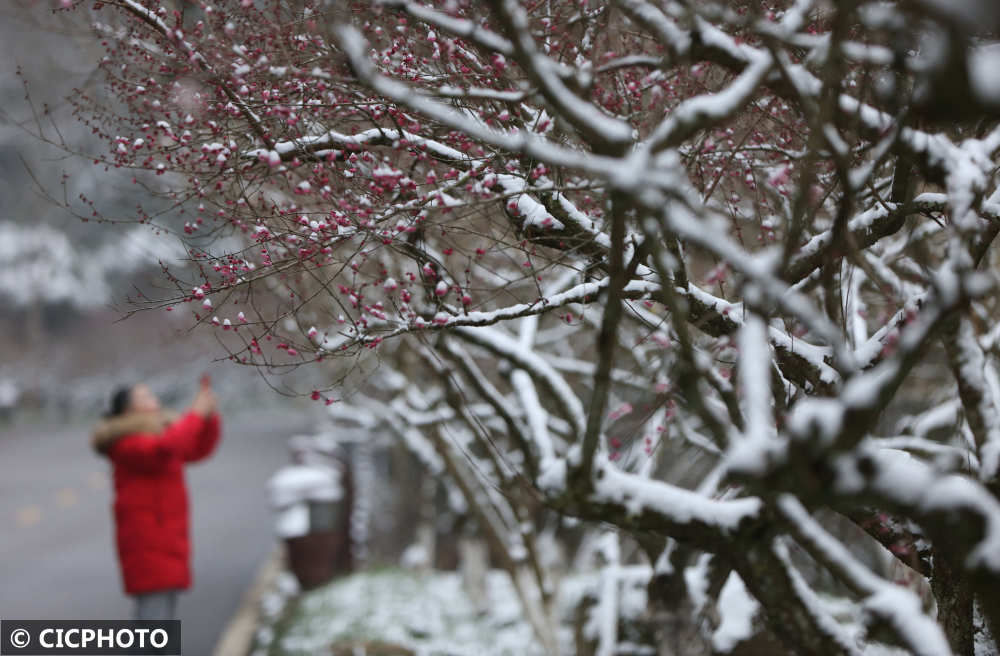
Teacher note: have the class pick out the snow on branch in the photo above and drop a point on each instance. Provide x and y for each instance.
(754, 448)
(502, 345)
(467, 29)
(649, 503)
(519, 142)
(606, 133)
(890, 603)
(942, 502)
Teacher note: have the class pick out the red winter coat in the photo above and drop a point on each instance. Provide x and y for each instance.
(148, 452)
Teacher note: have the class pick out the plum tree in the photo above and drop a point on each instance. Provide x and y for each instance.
(716, 274)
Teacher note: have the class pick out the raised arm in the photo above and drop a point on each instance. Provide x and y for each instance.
(203, 441)
(207, 439)
(182, 438)
(190, 438)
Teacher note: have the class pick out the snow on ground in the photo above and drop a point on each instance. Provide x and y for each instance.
(428, 613)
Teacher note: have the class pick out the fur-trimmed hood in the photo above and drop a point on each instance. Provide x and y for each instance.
(110, 430)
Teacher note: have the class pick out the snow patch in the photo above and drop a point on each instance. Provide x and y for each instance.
(736, 612)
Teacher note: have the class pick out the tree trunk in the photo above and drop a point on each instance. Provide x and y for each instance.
(954, 598)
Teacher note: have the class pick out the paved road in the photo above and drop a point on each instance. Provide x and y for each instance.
(57, 559)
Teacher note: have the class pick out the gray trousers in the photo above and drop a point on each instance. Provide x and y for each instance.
(161, 605)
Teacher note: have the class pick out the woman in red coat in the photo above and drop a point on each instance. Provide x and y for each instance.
(148, 449)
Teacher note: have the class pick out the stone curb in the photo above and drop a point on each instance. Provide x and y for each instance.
(237, 638)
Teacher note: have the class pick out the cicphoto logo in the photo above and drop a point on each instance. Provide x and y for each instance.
(87, 638)
(40, 637)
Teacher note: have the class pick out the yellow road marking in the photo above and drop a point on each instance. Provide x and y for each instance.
(66, 497)
(29, 516)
